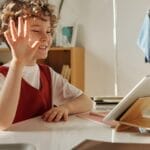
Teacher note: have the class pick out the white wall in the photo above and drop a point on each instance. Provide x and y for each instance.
(96, 36)
(131, 65)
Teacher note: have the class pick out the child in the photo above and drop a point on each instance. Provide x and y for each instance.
(26, 89)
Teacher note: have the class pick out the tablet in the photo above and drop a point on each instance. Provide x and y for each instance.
(142, 89)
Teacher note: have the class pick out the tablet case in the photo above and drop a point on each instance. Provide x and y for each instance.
(142, 89)
(137, 116)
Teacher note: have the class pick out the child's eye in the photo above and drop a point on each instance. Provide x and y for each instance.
(48, 32)
(35, 31)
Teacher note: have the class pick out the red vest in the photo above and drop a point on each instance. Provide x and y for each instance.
(33, 102)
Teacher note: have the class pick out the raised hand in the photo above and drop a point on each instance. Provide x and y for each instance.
(18, 40)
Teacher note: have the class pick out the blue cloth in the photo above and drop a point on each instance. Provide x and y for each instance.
(144, 38)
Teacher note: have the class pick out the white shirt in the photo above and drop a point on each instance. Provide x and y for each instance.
(62, 90)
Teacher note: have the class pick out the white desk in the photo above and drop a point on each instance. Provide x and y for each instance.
(64, 135)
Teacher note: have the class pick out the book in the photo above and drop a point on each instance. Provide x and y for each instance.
(66, 72)
(107, 99)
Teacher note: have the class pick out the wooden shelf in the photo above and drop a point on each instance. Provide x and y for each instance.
(4, 50)
(74, 57)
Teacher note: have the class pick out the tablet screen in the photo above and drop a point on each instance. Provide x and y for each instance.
(142, 89)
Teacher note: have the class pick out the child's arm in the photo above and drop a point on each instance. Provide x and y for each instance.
(21, 54)
(9, 95)
(78, 105)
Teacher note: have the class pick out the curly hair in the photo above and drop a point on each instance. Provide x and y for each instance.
(29, 8)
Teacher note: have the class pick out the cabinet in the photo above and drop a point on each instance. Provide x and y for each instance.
(74, 57)
(5, 55)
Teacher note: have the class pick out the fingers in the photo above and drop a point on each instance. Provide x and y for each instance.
(45, 116)
(13, 30)
(58, 117)
(49, 116)
(26, 28)
(65, 116)
(8, 37)
(20, 27)
(34, 47)
(55, 115)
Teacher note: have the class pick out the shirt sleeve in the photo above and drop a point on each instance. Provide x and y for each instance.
(2, 79)
(62, 90)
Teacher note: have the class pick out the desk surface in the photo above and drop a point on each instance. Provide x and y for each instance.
(65, 135)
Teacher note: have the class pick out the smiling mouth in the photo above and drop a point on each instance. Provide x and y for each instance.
(43, 48)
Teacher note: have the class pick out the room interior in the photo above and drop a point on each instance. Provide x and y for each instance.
(105, 61)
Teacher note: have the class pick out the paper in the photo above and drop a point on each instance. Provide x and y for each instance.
(98, 118)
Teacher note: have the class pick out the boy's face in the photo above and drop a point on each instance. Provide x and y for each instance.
(40, 30)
